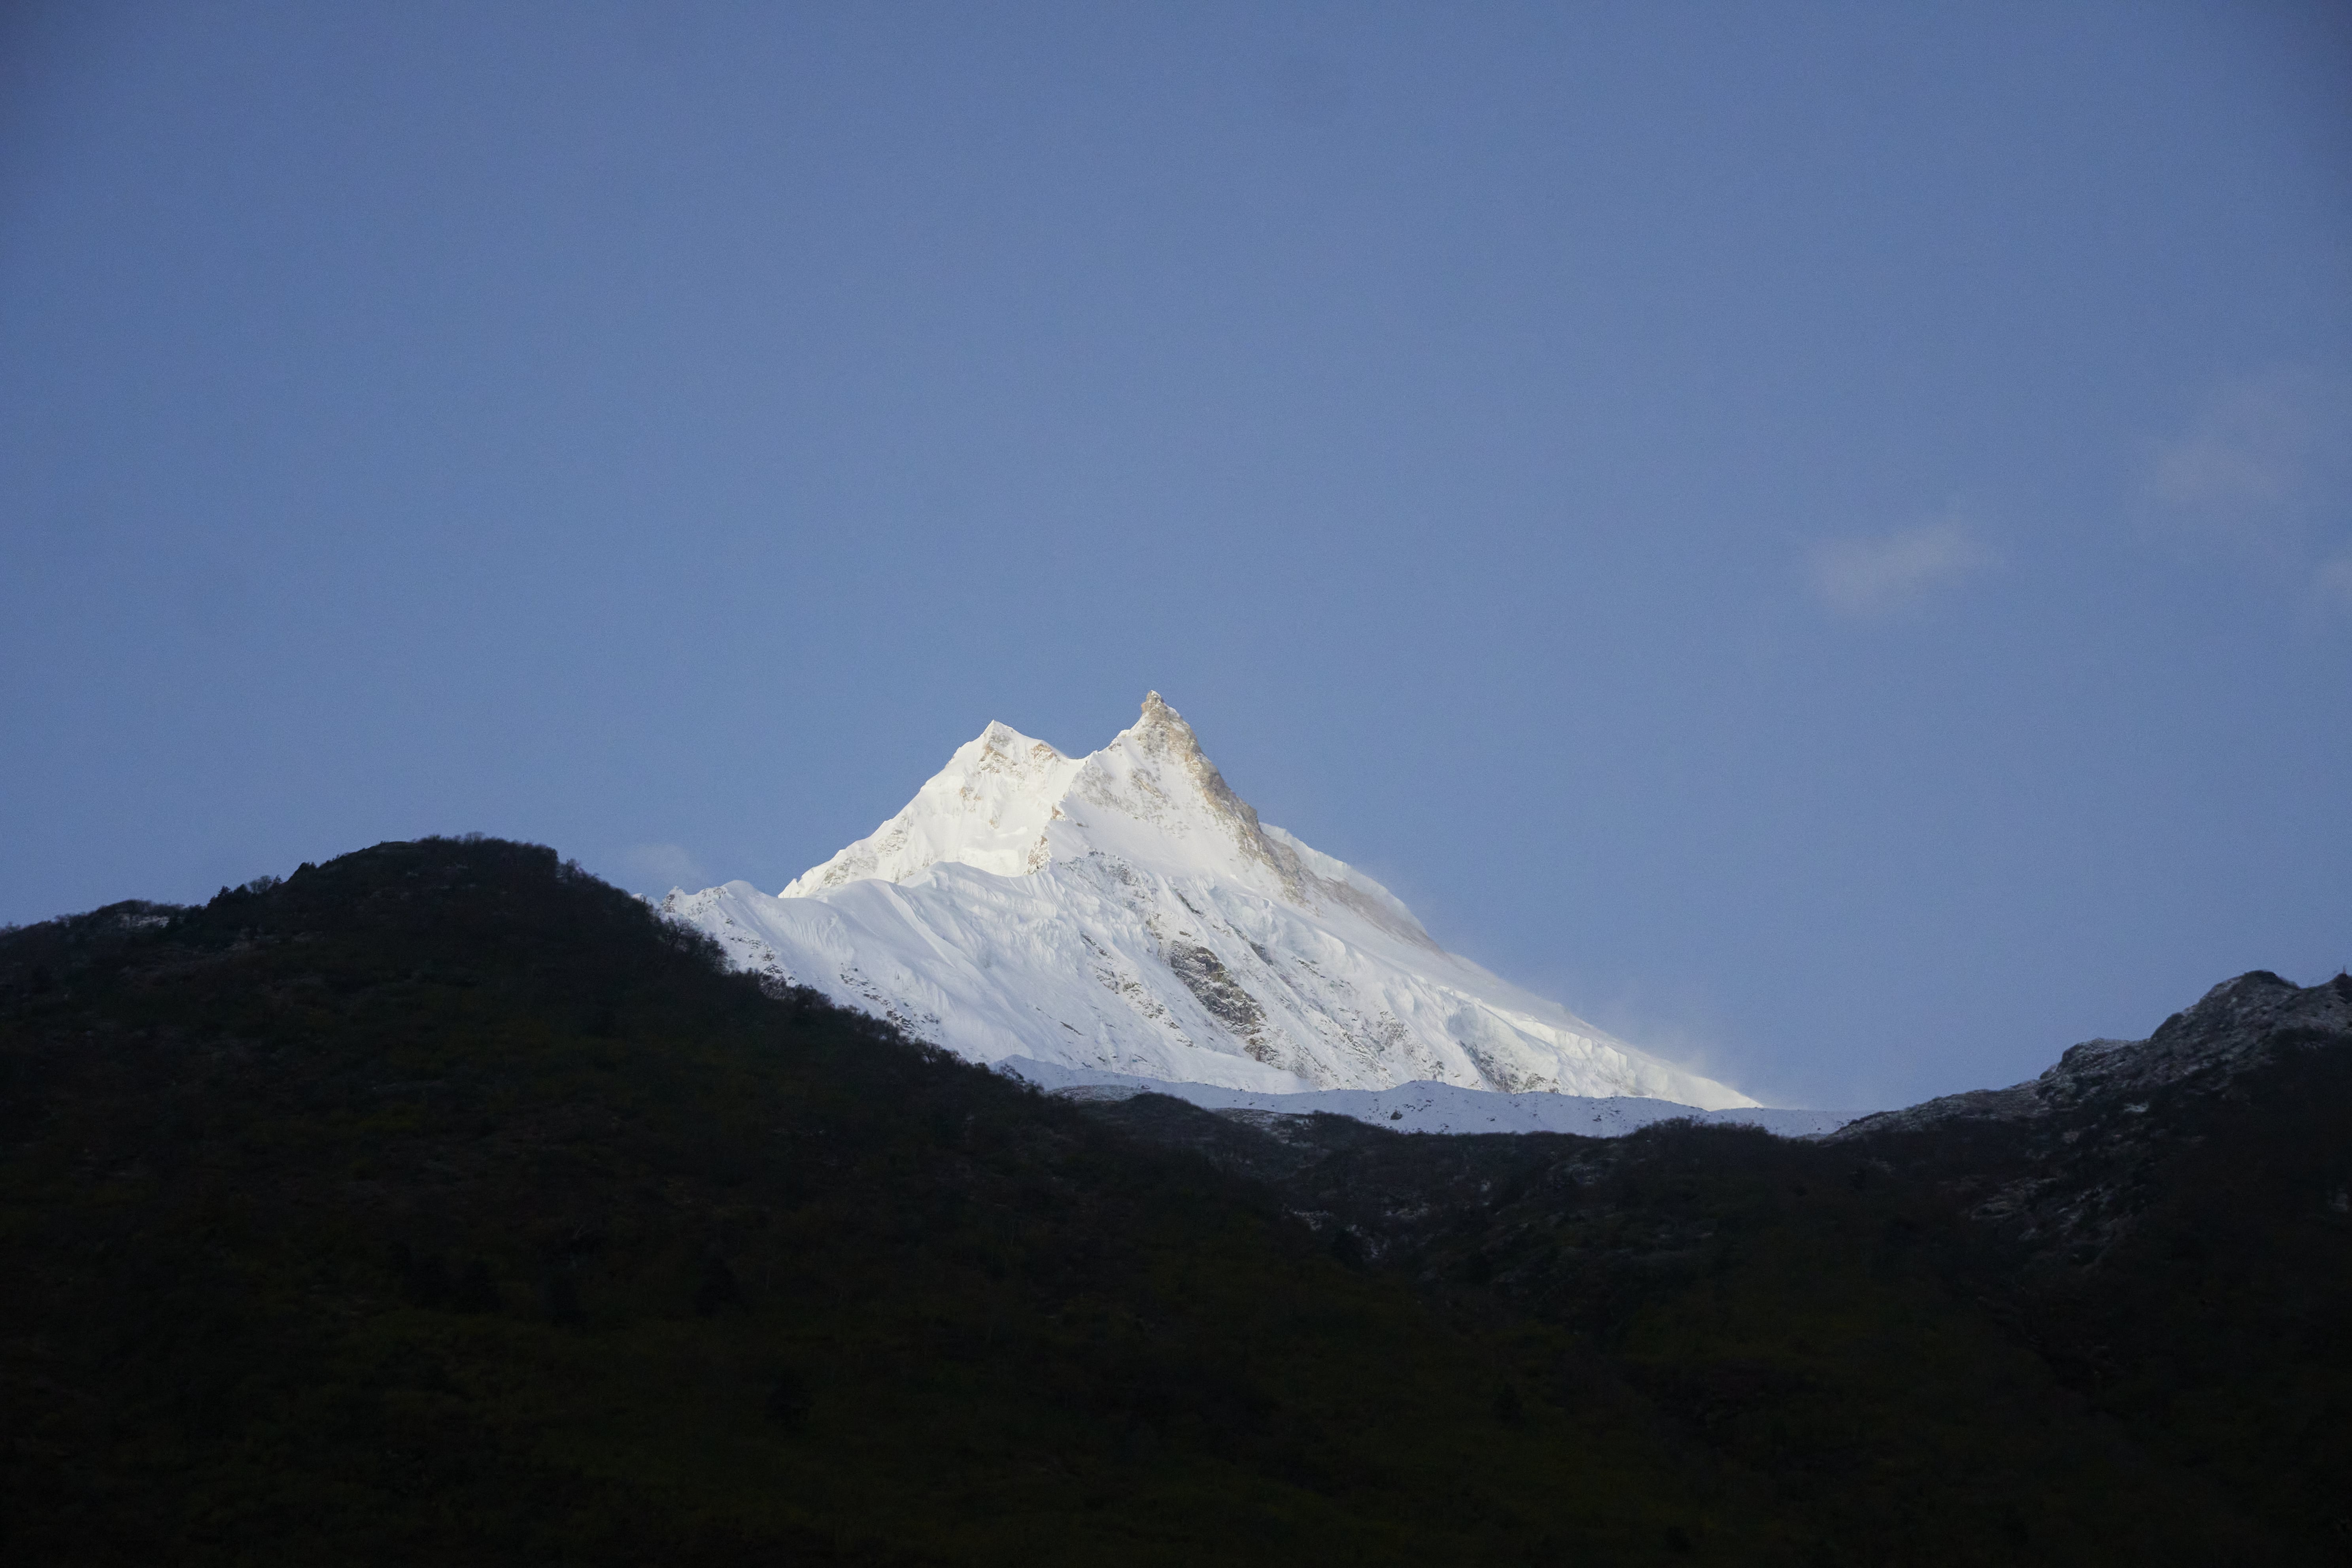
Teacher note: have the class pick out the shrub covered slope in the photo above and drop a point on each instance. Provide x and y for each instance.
(443, 1204)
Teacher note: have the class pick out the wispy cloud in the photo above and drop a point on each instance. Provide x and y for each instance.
(663, 866)
(2260, 444)
(2335, 582)
(2263, 471)
(1873, 577)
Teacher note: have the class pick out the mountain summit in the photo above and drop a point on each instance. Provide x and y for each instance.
(1127, 910)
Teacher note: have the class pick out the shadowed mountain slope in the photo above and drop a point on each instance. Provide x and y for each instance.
(441, 1203)
(2164, 1227)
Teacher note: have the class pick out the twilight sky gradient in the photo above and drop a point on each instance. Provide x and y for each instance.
(1819, 535)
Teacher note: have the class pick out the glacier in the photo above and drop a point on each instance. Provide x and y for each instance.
(1125, 915)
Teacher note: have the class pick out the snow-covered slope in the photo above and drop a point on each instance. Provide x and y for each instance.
(1128, 911)
(1429, 1107)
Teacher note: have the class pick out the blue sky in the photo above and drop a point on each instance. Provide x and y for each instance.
(1820, 535)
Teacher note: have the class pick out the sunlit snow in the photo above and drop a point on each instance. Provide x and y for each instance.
(1127, 913)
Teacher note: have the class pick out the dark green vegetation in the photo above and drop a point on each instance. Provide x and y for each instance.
(440, 1203)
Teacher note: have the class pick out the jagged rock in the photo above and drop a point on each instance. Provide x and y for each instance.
(2234, 1025)
(2063, 1164)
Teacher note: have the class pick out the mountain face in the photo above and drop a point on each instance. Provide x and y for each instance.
(2100, 1084)
(2064, 1165)
(1126, 911)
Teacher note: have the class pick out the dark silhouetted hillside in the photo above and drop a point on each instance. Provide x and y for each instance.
(442, 1204)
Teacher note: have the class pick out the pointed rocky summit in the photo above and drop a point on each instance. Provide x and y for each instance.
(1127, 912)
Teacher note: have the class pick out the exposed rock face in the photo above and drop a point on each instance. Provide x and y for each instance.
(2237, 1024)
(1127, 910)
(2063, 1164)
(1162, 735)
(1207, 979)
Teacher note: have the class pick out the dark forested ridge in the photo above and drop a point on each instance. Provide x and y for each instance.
(442, 1204)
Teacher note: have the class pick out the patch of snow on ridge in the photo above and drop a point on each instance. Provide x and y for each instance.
(1432, 1107)
(1127, 913)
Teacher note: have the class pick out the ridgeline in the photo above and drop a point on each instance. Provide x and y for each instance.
(444, 1203)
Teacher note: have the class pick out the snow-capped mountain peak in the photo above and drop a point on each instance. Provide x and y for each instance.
(1154, 797)
(1127, 910)
(1009, 804)
(987, 809)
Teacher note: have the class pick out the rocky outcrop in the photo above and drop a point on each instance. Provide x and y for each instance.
(2237, 1024)
(2064, 1166)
